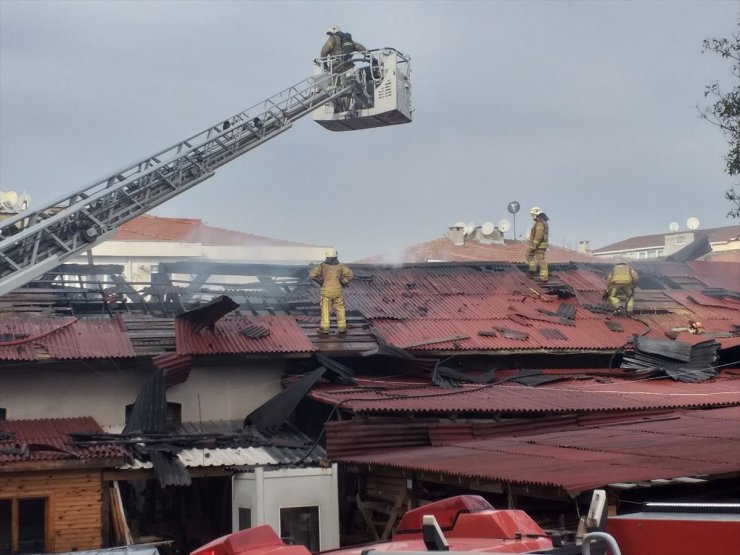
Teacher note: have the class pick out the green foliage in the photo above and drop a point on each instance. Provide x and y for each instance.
(725, 111)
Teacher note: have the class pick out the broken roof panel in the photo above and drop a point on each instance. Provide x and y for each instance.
(585, 334)
(689, 443)
(285, 336)
(63, 338)
(48, 439)
(589, 395)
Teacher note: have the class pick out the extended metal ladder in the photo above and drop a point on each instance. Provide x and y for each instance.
(34, 242)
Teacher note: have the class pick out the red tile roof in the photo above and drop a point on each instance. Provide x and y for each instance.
(156, 228)
(381, 396)
(286, 336)
(48, 440)
(593, 455)
(443, 249)
(63, 338)
(715, 235)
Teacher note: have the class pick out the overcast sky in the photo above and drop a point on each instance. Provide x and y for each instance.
(586, 108)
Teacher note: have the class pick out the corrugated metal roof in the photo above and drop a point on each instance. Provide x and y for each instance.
(687, 444)
(53, 433)
(286, 336)
(63, 338)
(586, 334)
(560, 397)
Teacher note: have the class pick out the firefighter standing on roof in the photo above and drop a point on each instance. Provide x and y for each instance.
(537, 245)
(340, 44)
(622, 279)
(333, 277)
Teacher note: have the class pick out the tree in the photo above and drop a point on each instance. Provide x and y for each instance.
(725, 112)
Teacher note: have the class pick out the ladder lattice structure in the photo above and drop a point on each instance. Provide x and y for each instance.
(34, 242)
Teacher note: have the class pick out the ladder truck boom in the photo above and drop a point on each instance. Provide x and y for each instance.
(36, 241)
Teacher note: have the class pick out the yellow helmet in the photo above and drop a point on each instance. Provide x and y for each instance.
(331, 253)
(535, 211)
(333, 30)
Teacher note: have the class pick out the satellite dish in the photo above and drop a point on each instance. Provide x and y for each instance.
(504, 225)
(513, 207)
(673, 227)
(692, 223)
(461, 225)
(487, 228)
(469, 228)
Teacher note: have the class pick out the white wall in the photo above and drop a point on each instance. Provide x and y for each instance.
(266, 491)
(53, 390)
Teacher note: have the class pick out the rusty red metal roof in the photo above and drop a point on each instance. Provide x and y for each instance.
(683, 444)
(589, 333)
(48, 440)
(583, 395)
(63, 338)
(715, 235)
(285, 336)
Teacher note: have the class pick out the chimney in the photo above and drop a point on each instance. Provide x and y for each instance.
(456, 235)
(584, 247)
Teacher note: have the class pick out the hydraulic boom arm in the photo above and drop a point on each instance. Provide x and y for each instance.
(34, 242)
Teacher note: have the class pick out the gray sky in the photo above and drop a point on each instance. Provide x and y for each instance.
(586, 108)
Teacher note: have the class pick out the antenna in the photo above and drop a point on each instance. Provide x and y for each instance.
(504, 225)
(692, 223)
(487, 228)
(673, 226)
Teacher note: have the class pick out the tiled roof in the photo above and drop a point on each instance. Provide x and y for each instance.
(63, 338)
(584, 395)
(48, 440)
(285, 336)
(592, 455)
(715, 235)
(156, 228)
(443, 249)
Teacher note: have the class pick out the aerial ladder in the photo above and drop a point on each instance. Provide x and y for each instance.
(374, 92)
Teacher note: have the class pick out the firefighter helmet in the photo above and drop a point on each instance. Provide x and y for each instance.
(331, 253)
(333, 30)
(536, 211)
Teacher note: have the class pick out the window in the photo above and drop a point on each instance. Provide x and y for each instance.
(245, 518)
(300, 525)
(23, 525)
(680, 240)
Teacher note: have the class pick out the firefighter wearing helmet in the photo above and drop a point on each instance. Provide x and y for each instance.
(333, 278)
(537, 245)
(622, 280)
(341, 45)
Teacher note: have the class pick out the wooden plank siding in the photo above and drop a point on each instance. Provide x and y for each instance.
(74, 506)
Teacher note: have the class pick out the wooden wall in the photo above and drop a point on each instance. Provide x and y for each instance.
(74, 506)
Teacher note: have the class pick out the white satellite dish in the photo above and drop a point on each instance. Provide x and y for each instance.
(461, 225)
(487, 228)
(469, 228)
(504, 225)
(692, 223)
(673, 226)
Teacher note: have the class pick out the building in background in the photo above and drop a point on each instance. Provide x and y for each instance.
(725, 243)
(143, 243)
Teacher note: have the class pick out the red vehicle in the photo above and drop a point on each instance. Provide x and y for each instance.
(468, 523)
